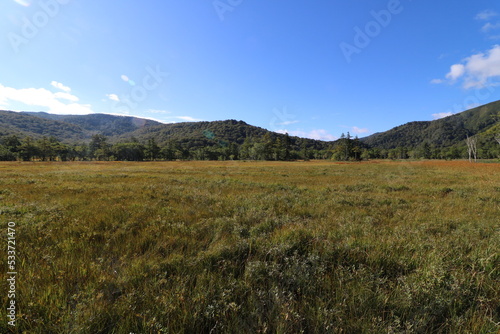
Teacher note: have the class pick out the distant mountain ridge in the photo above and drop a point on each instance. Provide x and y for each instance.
(80, 128)
(482, 121)
(25, 124)
(105, 124)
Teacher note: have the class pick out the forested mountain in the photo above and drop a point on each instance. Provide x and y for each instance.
(68, 128)
(201, 134)
(43, 136)
(104, 124)
(444, 132)
(77, 128)
(23, 125)
(32, 135)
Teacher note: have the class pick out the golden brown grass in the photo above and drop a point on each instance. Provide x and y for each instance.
(249, 247)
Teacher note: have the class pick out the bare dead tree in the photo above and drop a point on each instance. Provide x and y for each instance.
(472, 148)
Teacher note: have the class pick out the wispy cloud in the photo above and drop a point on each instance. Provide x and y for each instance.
(356, 130)
(288, 123)
(437, 81)
(359, 131)
(166, 117)
(472, 106)
(441, 115)
(486, 15)
(321, 134)
(188, 118)
(318, 134)
(490, 26)
(158, 111)
(55, 103)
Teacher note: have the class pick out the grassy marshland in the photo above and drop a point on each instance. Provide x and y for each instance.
(247, 247)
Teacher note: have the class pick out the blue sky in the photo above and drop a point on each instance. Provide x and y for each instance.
(311, 69)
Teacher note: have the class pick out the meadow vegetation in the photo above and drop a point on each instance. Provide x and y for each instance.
(254, 247)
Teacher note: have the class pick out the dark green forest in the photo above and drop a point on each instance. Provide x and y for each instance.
(32, 136)
(99, 148)
(279, 148)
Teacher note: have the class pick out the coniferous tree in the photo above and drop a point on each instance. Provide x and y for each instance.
(286, 146)
(152, 150)
(268, 145)
(305, 151)
(99, 148)
(28, 150)
(6, 154)
(128, 151)
(168, 152)
(12, 143)
(426, 151)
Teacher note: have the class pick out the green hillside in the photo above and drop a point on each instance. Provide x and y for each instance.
(24, 125)
(201, 134)
(443, 132)
(76, 128)
(107, 125)
(42, 136)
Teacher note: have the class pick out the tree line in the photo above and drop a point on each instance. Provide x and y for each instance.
(266, 147)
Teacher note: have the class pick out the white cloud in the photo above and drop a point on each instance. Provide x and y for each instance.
(477, 70)
(188, 118)
(472, 106)
(60, 86)
(157, 111)
(441, 115)
(318, 134)
(296, 133)
(359, 131)
(321, 135)
(55, 103)
(481, 67)
(288, 122)
(66, 96)
(170, 119)
(488, 27)
(485, 15)
(113, 97)
(456, 71)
